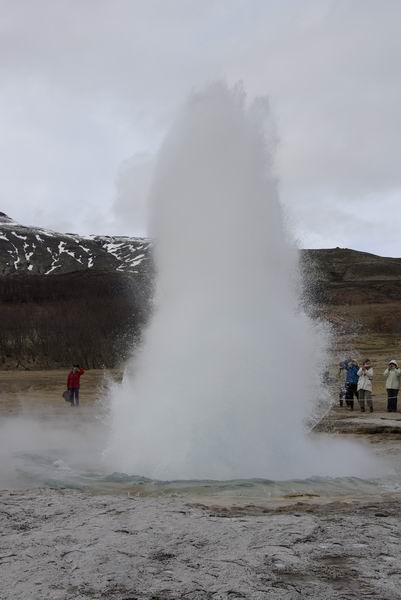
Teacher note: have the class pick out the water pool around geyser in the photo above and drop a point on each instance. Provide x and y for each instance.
(69, 456)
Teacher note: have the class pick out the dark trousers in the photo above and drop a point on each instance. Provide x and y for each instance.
(74, 395)
(351, 391)
(392, 400)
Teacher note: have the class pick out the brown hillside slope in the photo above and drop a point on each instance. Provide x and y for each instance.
(90, 317)
(357, 291)
(95, 317)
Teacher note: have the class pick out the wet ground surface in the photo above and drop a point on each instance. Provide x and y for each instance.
(71, 545)
(69, 531)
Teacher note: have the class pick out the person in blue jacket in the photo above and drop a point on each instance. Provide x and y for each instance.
(351, 368)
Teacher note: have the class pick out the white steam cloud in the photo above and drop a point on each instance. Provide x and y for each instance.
(230, 366)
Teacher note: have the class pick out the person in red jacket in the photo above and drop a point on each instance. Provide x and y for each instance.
(73, 384)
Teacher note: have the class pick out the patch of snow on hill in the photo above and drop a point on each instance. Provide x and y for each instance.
(38, 250)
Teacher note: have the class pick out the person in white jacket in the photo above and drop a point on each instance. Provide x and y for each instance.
(393, 375)
(365, 377)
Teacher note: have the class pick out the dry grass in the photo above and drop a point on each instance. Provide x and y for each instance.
(34, 389)
(379, 348)
(44, 388)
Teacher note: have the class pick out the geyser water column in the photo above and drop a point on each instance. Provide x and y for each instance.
(230, 365)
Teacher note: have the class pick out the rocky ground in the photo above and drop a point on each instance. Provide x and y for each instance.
(70, 545)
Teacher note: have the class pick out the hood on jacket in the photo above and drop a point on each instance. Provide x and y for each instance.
(393, 362)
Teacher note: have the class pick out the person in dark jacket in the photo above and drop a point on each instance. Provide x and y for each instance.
(73, 384)
(351, 368)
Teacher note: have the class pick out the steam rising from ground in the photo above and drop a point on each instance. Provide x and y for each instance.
(50, 449)
(230, 366)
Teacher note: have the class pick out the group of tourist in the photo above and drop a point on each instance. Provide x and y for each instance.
(358, 384)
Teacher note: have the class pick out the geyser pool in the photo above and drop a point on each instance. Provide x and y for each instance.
(230, 365)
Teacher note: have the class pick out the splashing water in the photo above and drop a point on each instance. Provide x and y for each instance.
(230, 365)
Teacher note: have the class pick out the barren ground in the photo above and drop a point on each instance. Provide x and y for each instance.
(61, 544)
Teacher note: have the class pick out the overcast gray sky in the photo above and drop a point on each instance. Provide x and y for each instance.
(89, 87)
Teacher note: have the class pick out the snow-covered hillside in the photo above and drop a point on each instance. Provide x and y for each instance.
(36, 250)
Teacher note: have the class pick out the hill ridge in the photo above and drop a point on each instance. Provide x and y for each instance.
(42, 251)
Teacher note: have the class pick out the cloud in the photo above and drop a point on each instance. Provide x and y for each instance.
(86, 85)
(130, 207)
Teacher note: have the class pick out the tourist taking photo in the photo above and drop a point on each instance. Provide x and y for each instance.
(393, 375)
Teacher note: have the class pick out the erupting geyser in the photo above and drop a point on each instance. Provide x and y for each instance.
(230, 365)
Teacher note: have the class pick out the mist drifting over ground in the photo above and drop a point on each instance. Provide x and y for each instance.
(230, 365)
